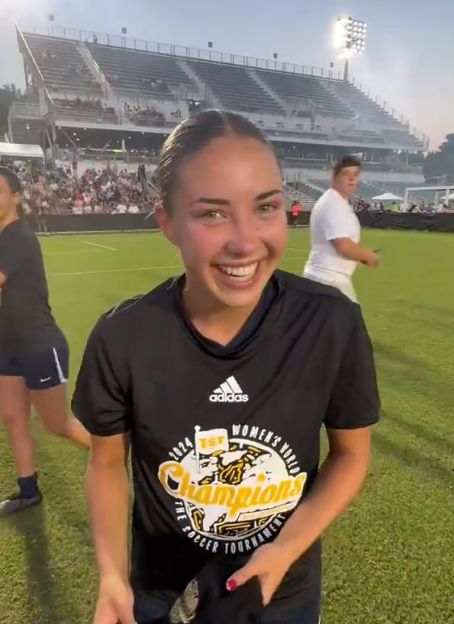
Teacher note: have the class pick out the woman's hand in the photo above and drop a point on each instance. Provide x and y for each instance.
(115, 602)
(270, 564)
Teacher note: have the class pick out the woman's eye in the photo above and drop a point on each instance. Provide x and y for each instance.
(268, 208)
(212, 215)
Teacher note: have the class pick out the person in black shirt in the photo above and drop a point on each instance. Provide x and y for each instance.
(34, 357)
(219, 381)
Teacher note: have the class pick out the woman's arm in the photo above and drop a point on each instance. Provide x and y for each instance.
(107, 490)
(337, 485)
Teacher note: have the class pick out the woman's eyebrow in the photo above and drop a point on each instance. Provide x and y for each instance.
(217, 201)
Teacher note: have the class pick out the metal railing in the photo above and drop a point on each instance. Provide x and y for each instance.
(24, 45)
(27, 111)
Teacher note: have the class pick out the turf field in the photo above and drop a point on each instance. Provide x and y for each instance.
(389, 560)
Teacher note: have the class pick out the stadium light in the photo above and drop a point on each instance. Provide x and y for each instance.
(349, 39)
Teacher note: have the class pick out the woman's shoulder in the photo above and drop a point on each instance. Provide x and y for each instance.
(148, 308)
(298, 285)
(301, 292)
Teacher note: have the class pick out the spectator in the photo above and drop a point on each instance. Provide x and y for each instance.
(58, 191)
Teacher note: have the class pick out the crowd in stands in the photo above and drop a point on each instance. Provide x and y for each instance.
(160, 86)
(50, 58)
(113, 190)
(90, 105)
(138, 115)
(151, 84)
(58, 191)
(361, 204)
(144, 116)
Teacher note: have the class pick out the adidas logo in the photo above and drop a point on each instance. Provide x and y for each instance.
(229, 392)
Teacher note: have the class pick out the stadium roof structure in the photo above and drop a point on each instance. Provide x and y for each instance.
(21, 151)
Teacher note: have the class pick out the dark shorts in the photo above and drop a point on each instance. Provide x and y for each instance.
(41, 370)
(147, 609)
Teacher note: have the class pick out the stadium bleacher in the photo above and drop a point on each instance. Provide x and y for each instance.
(61, 64)
(360, 103)
(139, 93)
(235, 88)
(369, 109)
(135, 71)
(79, 66)
(308, 88)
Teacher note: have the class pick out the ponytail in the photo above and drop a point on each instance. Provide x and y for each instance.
(20, 211)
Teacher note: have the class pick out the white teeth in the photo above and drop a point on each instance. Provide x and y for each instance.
(244, 272)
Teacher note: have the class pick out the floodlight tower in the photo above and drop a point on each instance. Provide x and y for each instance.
(349, 39)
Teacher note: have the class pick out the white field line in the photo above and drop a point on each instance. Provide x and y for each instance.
(71, 252)
(101, 246)
(153, 268)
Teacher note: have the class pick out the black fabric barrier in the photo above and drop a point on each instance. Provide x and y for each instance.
(407, 221)
(97, 223)
(129, 222)
(394, 220)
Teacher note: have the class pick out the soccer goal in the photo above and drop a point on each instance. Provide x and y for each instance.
(430, 195)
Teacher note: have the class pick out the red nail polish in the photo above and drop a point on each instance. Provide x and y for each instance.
(231, 585)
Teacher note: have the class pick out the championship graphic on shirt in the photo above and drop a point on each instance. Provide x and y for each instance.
(232, 488)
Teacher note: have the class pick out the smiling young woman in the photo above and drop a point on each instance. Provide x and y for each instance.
(220, 381)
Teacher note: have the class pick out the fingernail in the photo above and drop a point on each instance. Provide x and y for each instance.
(231, 585)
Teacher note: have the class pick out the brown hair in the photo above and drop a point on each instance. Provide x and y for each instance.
(191, 136)
(14, 186)
(343, 163)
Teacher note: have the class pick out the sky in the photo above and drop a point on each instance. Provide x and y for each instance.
(408, 60)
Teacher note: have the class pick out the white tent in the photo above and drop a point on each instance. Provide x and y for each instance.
(21, 151)
(387, 197)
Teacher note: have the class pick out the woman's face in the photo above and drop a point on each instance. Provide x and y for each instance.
(8, 200)
(228, 220)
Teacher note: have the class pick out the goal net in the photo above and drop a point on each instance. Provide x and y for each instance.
(429, 195)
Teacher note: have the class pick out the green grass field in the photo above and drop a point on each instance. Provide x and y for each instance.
(390, 558)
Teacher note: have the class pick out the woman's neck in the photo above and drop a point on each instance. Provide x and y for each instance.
(6, 220)
(212, 320)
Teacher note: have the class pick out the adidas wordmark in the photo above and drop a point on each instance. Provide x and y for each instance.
(229, 392)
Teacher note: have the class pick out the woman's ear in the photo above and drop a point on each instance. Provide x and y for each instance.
(165, 222)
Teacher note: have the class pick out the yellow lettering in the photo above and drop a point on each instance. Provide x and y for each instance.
(172, 470)
(203, 495)
(223, 495)
(241, 500)
(235, 498)
(187, 489)
(255, 496)
(283, 491)
(298, 485)
(268, 494)
(212, 442)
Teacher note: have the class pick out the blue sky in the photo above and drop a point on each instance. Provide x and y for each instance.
(408, 61)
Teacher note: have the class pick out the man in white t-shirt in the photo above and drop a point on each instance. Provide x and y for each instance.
(336, 232)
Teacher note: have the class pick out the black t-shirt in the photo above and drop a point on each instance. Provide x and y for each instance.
(225, 440)
(26, 321)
